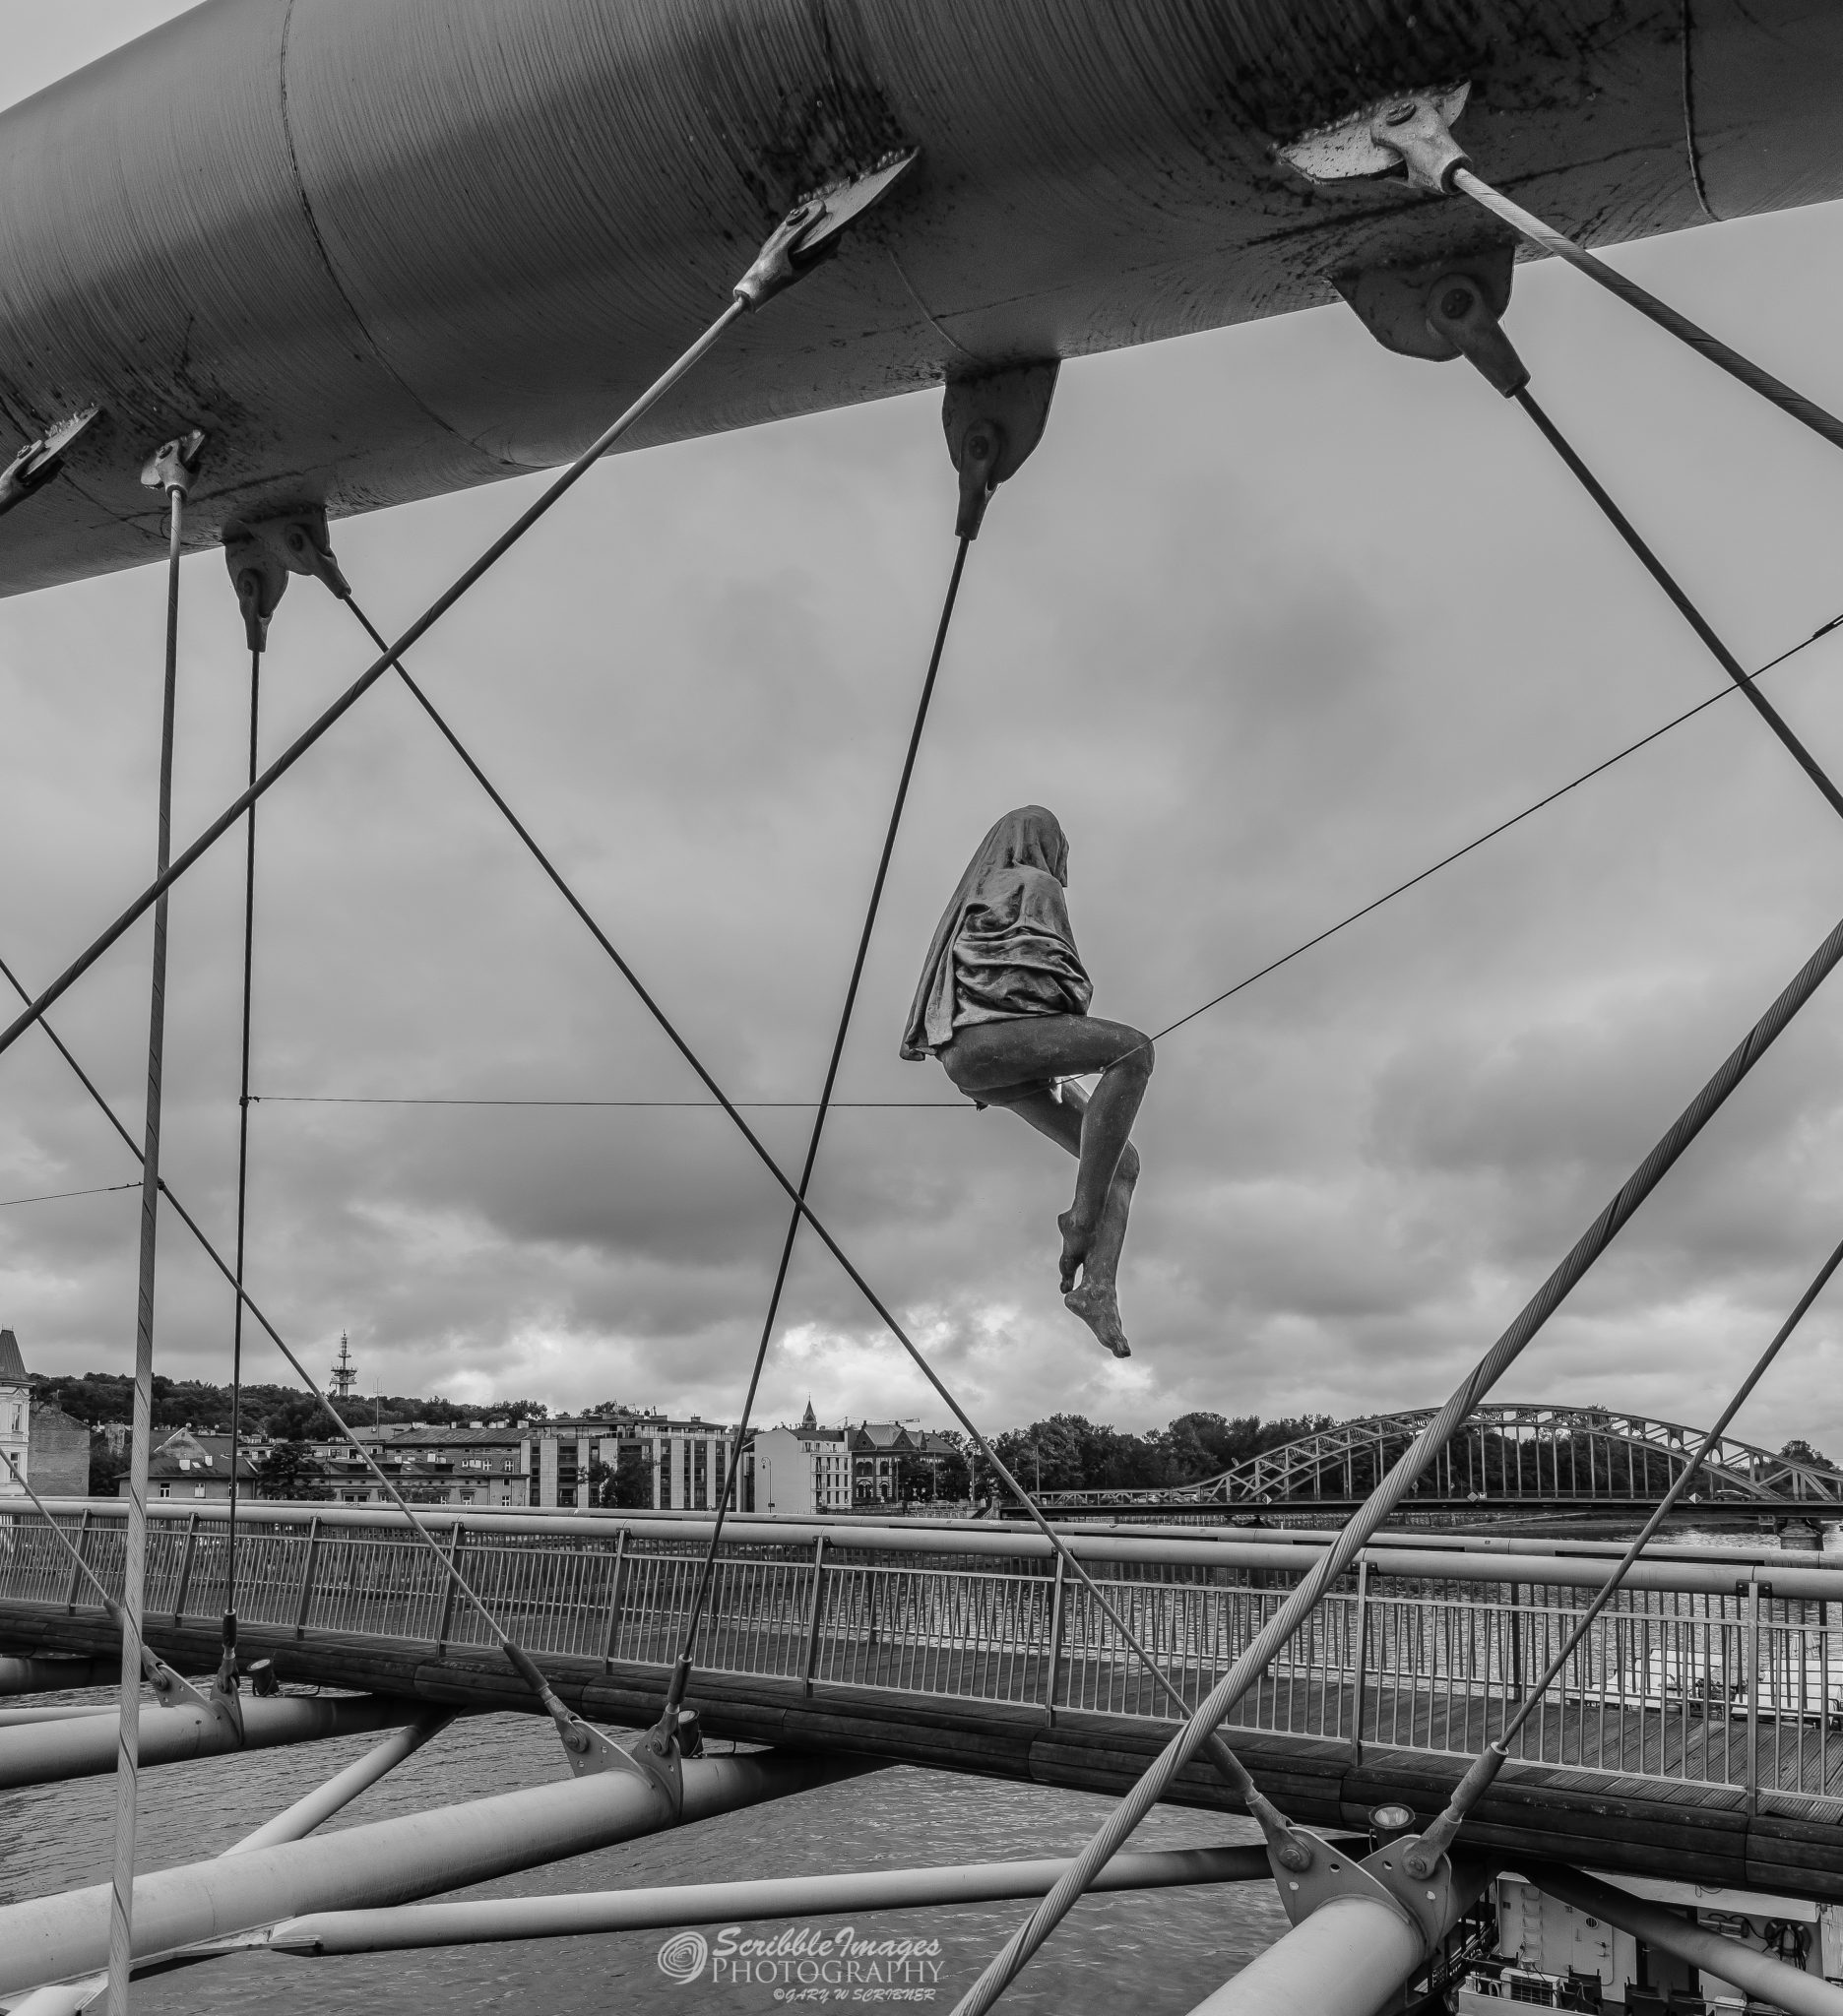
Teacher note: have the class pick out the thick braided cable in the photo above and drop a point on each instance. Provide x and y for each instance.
(1303, 1600)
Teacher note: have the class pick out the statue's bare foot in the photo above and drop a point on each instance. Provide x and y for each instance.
(1095, 1304)
(1076, 1239)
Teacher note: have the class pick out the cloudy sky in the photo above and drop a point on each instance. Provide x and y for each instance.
(1272, 620)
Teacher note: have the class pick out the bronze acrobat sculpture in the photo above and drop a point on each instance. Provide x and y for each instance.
(1003, 1004)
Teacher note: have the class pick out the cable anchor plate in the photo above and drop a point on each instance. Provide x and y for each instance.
(34, 466)
(812, 230)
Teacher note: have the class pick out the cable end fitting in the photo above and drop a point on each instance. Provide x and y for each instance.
(1424, 1857)
(174, 464)
(1457, 311)
(812, 230)
(1415, 130)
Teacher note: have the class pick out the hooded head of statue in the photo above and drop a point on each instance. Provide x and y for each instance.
(1022, 926)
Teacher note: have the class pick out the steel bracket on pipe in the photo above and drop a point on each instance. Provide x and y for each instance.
(813, 229)
(1428, 1907)
(656, 1759)
(1409, 133)
(34, 467)
(992, 421)
(1441, 309)
(261, 553)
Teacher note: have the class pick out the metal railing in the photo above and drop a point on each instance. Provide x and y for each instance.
(1704, 1675)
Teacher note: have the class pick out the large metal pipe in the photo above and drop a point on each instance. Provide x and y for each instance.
(385, 248)
(300, 1819)
(1770, 1980)
(388, 1862)
(23, 1718)
(48, 1675)
(84, 1746)
(1348, 1959)
(570, 1917)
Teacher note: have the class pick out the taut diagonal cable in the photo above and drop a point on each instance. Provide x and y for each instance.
(1305, 1599)
(1477, 1781)
(1221, 1755)
(296, 749)
(515, 1654)
(1688, 609)
(681, 1671)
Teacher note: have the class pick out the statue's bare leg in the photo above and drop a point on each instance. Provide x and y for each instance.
(1013, 1060)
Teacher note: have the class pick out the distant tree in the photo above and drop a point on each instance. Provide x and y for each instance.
(521, 1410)
(289, 1471)
(1801, 1451)
(604, 1409)
(106, 1469)
(630, 1482)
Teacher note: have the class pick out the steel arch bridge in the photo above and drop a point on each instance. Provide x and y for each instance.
(1507, 1454)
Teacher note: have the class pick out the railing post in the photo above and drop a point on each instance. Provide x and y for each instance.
(1751, 1778)
(819, 1611)
(307, 1575)
(457, 1539)
(76, 1574)
(1056, 1602)
(615, 1592)
(185, 1570)
(1358, 1694)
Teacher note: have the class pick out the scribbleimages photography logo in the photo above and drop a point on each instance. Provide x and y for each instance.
(682, 1957)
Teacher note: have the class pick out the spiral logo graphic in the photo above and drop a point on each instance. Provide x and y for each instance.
(682, 1957)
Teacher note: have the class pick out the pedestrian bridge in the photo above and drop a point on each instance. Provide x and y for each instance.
(1699, 1733)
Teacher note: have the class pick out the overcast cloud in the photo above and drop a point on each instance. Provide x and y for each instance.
(1271, 620)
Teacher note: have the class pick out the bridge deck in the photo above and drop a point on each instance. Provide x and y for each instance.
(1696, 1734)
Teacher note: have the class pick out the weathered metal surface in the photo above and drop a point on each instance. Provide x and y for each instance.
(83, 1746)
(1700, 1728)
(575, 1913)
(385, 248)
(386, 1861)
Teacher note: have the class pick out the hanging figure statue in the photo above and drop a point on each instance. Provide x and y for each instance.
(1003, 1004)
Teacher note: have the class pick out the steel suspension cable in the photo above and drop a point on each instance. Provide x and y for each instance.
(242, 1174)
(514, 1654)
(1303, 1600)
(1221, 1755)
(134, 1570)
(681, 1669)
(1547, 238)
(1477, 1781)
(1658, 573)
(1492, 833)
(305, 740)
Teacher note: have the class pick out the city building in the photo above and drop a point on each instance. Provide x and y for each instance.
(189, 1466)
(654, 1462)
(798, 1472)
(44, 1443)
(474, 1464)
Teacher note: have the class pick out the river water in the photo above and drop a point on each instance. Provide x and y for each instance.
(1153, 1952)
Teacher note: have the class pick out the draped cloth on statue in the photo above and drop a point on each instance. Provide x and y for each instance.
(1003, 947)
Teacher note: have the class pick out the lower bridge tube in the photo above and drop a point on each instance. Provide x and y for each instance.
(388, 1862)
(42, 1676)
(1786, 1987)
(83, 1746)
(1347, 1959)
(706, 1904)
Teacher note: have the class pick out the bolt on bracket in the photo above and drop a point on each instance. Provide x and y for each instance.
(1442, 309)
(992, 421)
(1411, 132)
(812, 230)
(173, 464)
(34, 466)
